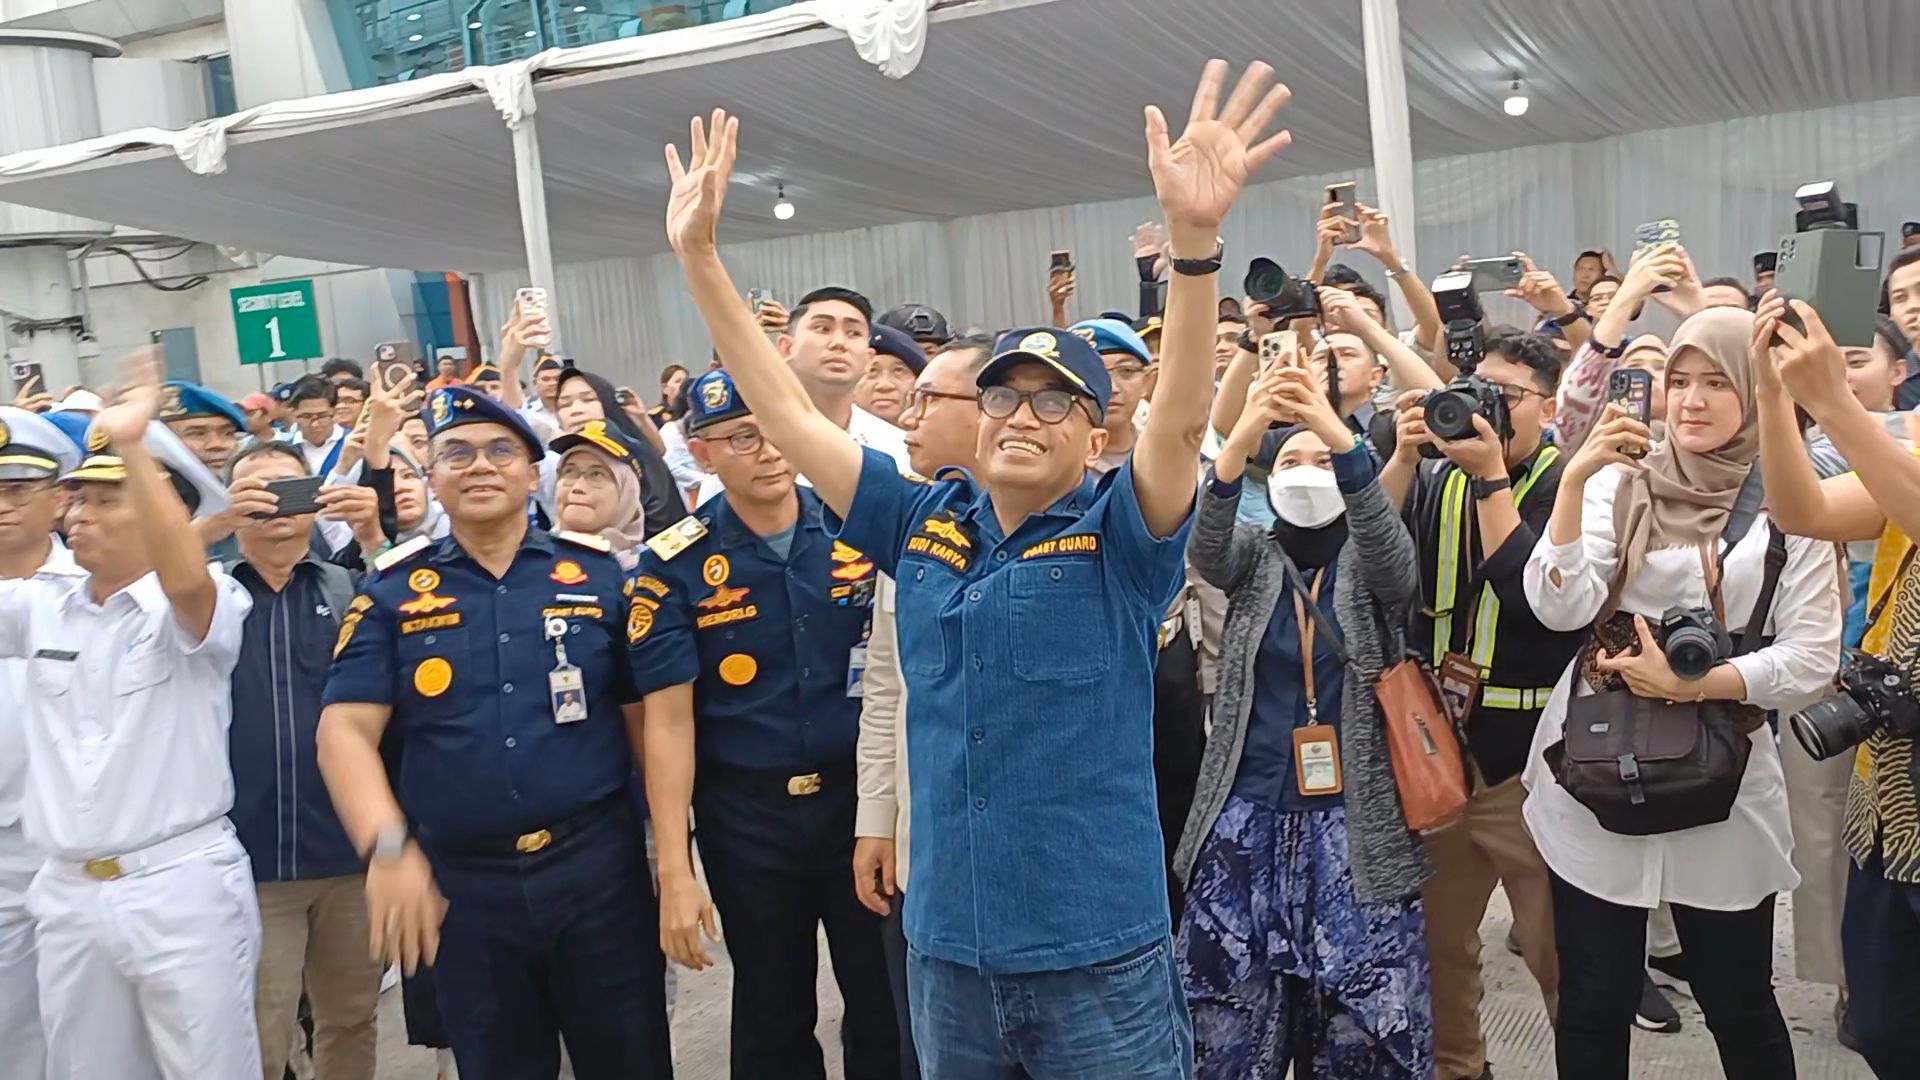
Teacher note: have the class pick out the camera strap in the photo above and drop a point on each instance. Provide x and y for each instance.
(1886, 594)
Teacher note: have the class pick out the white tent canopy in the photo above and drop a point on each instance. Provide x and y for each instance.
(1016, 104)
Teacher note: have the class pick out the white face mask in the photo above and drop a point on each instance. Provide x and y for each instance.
(1305, 496)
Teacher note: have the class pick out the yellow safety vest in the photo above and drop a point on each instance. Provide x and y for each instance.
(1453, 521)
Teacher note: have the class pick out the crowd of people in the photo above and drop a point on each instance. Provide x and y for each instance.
(1220, 659)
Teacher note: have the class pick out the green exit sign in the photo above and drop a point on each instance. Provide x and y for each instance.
(276, 322)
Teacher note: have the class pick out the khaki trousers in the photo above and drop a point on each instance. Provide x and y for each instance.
(1817, 812)
(314, 934)
(1489, 845)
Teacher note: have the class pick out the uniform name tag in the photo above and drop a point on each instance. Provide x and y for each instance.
(569, 695)
(1073, 544)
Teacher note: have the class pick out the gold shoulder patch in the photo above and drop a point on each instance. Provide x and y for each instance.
(394, 556)
(586, 540)
(652, 584)
(677, 537)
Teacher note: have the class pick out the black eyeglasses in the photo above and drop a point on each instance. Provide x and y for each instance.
(917, 401)
(1049, 406)
(459, 456)
(743, 442)
(1516, 395)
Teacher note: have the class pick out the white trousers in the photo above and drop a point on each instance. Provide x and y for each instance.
(22, 1053)
(150, 976)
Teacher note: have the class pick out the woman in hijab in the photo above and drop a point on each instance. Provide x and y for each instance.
(1630, 539)
(597, 489)
(1302, 944)
(581, 396)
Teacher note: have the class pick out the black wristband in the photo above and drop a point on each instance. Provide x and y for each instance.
(1483, 488)
(1248, 343)
(1144, 264)
(1572, 316)
(1202, 267)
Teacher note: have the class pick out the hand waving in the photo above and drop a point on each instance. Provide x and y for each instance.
(137, 400)
(1198, 177)
(700, 187)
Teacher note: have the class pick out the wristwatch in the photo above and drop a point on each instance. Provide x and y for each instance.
(1202, 267)
(387, 844)
(1483, 488)
(1573, 315)
(1613, 352)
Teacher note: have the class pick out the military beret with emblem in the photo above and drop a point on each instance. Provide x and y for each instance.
(711, 398)
(452, 406)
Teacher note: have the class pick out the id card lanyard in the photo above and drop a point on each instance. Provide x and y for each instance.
(566, 691)
(1316, 749)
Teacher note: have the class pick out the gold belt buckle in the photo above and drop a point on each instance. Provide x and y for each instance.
(804, 785)
(533, 841)
(105, 869)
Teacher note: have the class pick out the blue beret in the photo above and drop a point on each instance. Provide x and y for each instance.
(1065, 352)
(451, 406)
(711, 398)
(182, 400)
(1112, 335)
(888, 341)
(72, 423)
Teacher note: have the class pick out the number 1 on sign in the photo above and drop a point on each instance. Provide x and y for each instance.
(273, 331)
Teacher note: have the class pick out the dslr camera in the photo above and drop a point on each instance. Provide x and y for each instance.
(1285, 296)
(1873, 693)
(1831, 265)
(1450, 411)
(1694, 639)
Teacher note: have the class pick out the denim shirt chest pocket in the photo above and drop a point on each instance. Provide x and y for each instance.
(925, 588)
(1056, 618)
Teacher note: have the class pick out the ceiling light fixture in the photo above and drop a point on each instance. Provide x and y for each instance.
(415, 17)
(1516, 103)
(415, 37)
(579, 9)
(782, 209)
(476, 25)
(527, 34)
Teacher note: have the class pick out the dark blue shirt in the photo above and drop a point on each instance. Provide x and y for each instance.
(463, 659)
(764, 639)
(1266, 772)
(1028, 661)
(281, 808)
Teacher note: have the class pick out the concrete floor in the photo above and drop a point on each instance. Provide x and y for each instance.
(1516, 1025)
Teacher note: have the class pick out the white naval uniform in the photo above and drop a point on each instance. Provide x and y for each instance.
(20, 1041)
(150, 973)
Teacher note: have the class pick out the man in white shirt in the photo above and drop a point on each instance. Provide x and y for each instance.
(314, 430)
(828, 343)
(147, 930)
(32, 453)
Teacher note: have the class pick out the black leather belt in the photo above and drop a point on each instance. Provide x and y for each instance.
(780, 783)
(528, 843)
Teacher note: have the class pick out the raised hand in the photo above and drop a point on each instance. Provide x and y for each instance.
(1811, 366)
(135, 402)
(1198, 177)
(1375, 240)
(1540, 289)
(700, 187)
(32, 397)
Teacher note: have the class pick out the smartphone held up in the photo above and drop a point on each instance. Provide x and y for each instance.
(1632, 389)
(532, 302)
(1341, 195)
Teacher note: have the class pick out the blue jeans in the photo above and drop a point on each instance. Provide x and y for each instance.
(559, 944)
(1122, 1018)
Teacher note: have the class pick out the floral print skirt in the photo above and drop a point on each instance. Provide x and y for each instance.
(1284, 967)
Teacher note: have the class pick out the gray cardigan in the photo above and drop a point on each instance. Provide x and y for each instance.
(1389, 863)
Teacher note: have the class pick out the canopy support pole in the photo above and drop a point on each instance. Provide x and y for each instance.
(1392, 135)
(533, 214)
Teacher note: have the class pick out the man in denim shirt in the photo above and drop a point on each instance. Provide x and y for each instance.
(1027, 607)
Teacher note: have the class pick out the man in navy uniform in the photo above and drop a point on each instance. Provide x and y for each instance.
(209, 424)
(1028, 604)
(512, 793)
(748, 627)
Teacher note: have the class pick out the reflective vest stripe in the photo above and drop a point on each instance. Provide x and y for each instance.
(1453, 511)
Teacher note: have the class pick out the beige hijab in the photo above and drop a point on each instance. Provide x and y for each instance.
(1681, 499)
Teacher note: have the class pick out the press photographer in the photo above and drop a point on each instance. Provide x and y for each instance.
(1880, 499)
(1646, 785)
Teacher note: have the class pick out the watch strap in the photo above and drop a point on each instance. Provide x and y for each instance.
(1483, 488)
(1202, 267)
(1248, 342)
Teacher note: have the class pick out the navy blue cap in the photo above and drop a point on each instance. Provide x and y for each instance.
(548, 362)
(1152, 324)
(601, 436)
(1765, 262)
(1911, 228)
(711, 398)
(281, 392)
(451, 406)
(921, 323)
(1112, 335)
(888, 341)
(1063, 351)
(182, 400)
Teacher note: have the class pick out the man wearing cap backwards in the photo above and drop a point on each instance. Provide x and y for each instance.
(1028, 603)
(145, 921)
(32, 452)
(827, 344)
(897, 361)
(749, 627)
(497, 655)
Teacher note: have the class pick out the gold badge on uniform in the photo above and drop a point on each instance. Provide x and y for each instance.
(423, 580)
(425, 603)
(440, 408)
(852, 571)
(346, 633)
(650, 583)
(96, 439)
(713, 394)
(723, 597)
(738, 669)
(170, 403)
(639, 623)
(714, 570)
(432, 677)
(3, 433)
(842, 552)
(567, 572)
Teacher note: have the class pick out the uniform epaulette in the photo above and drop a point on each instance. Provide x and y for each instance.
(677, 537)
(394, 556)
(585, 540)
